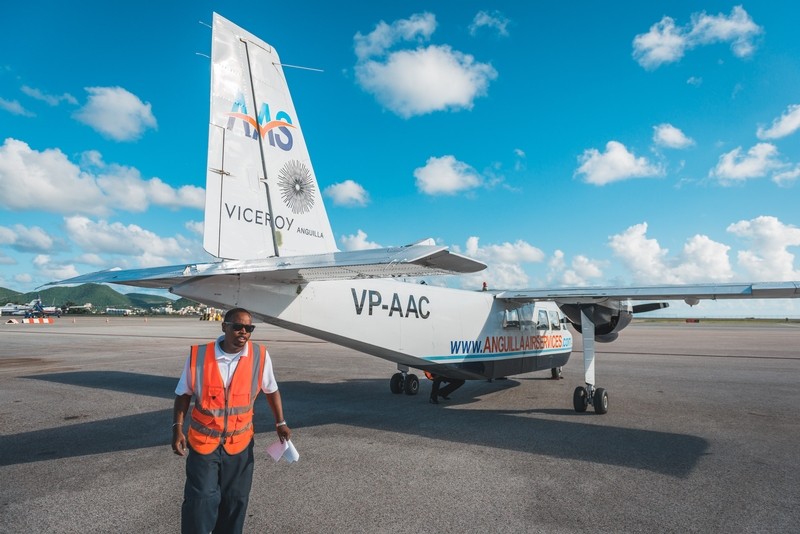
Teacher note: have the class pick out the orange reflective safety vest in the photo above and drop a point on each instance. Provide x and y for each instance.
(220, 414)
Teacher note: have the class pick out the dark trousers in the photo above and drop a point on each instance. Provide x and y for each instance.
(217, 491)
(453, 384)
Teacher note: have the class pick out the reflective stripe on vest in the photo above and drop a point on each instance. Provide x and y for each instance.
(211, 424)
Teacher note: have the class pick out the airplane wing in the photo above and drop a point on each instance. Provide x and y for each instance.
(422, 259)
(690, 293)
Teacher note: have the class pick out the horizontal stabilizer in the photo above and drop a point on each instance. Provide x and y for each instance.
(394, 262)
(588, 295)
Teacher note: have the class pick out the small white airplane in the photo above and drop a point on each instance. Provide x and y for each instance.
(16, 309)
(34, 307)
(266, 222)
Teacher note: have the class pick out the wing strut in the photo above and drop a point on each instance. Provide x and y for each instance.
(587, 331)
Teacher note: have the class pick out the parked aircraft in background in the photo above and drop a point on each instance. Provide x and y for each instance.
(266, 221)
(33, 309)
(16, 309)
(40, 310)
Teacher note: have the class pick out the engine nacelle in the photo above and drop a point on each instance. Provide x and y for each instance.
(608, 321)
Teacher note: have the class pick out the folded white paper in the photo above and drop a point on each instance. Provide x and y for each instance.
(284, 450)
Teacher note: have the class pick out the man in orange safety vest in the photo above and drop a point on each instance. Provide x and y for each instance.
(225, 377)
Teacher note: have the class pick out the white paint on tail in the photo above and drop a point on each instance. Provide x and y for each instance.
(253, 130)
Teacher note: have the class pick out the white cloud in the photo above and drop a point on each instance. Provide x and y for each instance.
(24, 278)
(701, 260)
(497, 276)
(768, 259)
(446, 176)
(664, 43)
(6, 260)
(786, 124)
(786, 178)
(55, 270)
(196, 227)
(494, 20)
(519, 252)
(149, 249)
(116, 113)
(15, 108)
(737, 29)
(50, 99)
(347, 193)
(89, 259)
(694, 81)
(736, 167)
(504, 261)
(669, 136)
(613, 165)
(48, 181)
(519, 152)
(419, 81)
(587, 268)
(384, 36)
(582, 270)
(358, 242)
(667, 43)
(34, 239)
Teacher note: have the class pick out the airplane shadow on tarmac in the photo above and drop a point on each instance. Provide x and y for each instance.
(368, 404)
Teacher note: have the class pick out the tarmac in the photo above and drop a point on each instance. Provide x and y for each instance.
(701, 435)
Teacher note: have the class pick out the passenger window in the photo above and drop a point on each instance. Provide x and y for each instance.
(511, 319)
(541, 322)
(555, 321)
(526, 317)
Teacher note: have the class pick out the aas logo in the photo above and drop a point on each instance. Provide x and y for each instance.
(276, 131)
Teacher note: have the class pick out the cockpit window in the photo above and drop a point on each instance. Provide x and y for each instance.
(555, 321)
(511, 319)
(541, 321)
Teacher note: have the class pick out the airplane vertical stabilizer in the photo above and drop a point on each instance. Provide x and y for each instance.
(262, 197)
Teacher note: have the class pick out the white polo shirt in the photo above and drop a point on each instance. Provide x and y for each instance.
(227, 365)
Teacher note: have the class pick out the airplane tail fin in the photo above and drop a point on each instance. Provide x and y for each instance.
(262, 197)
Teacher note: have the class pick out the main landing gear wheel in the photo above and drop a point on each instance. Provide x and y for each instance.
(580, 399)
(555, 373)
(411, 385)
(397, 382)
(600, 401)
(598, 398)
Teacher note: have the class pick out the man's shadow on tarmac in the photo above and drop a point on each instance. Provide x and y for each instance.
(368, 404)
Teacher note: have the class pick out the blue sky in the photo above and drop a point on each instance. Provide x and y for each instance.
(595, 143)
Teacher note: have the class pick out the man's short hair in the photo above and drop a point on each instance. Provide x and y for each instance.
(235, 311)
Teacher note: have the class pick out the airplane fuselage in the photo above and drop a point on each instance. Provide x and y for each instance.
(461, 334)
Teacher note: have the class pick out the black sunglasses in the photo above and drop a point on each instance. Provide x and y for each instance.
(239, 326)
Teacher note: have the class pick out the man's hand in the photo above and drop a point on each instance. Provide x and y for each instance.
(179, 415)
(178, 441)
(283, 433)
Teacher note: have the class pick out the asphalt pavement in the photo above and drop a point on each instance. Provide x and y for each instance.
(702, 435)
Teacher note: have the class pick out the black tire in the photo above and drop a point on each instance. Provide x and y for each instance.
(555, 372)
(411, 385)
(579, 399)
(396, 383)
(600, 401)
